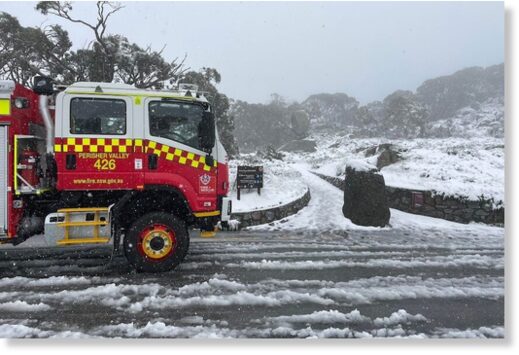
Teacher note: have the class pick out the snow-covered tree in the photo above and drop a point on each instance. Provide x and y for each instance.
(300, 123)
(405, 116)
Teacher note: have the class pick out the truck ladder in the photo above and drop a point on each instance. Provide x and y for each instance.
(95, 224)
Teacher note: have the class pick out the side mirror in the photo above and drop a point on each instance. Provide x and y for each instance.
(206, 132)
(43, 85)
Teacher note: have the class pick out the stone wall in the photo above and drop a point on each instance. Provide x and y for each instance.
(335, 181)
(435, 205)
(254, 218)
(446, 207)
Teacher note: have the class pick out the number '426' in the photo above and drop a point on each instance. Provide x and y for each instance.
(105, 164)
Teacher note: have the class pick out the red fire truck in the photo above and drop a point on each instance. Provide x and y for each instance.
(101, 163)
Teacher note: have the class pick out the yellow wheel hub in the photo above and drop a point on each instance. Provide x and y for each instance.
(156, 244)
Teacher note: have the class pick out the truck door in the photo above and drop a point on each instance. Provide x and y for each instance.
(172, 152)
(96, 142)
(4, 148)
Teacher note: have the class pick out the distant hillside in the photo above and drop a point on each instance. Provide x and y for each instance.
(469, 102)
(468, 87)
(486, 119)
(330, 110)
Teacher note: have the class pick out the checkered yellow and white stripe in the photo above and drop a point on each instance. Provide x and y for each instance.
(94, 145)
(122, 145)
(178, 155)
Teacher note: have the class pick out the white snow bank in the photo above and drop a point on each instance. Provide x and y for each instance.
(22, 306)
(110, 295)
(468, 167)
(281, 185)
(481, 332)
(399, 317)
(23, 331)
(270, 299)
(403, 220)
(330, 316)
(279, 293)
(18, 281)
(161, 330)
(360, 164)
(451, 261)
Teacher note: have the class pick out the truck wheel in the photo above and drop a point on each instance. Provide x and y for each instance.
(156, 242)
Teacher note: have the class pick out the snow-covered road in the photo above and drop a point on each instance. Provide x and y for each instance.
(370, 284)
(323, 213)
(312, 275)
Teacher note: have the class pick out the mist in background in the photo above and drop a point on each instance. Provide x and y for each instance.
(367, 50)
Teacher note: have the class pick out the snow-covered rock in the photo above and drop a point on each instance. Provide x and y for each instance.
(456, 166)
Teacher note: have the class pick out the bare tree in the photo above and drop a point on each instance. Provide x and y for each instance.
(113, 57)
(62, 9)
(146, 68)
(105, 47)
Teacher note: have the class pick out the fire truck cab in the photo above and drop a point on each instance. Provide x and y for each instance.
(105, 163)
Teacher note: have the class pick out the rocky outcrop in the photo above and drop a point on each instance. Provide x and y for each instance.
(387, 154)
(365, 198)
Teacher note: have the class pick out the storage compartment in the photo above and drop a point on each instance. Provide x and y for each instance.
(4, 149)
(72, 226)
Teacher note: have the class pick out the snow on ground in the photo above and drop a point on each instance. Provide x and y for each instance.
(22, 306)
(484, 120)
(409, 281)
(327, 298)
(324, 211)
(50, 281)
(311, 275)
(281, 184)
(399, 317)
(468, 167)
(328, 316)
(481, 332)
(483, 262)
(324, 215)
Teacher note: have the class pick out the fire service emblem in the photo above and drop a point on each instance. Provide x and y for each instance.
(205, 179)
(207, 184)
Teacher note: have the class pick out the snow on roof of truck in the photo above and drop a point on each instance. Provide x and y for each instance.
(7, 86)
(120, 89)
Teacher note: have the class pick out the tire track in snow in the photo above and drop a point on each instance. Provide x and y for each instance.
(318, 276)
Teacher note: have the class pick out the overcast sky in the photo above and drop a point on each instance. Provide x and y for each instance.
(365, 49)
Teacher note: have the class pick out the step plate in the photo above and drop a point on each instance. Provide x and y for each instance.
(83, 241)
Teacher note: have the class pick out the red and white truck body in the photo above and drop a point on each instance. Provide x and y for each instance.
(107, 155)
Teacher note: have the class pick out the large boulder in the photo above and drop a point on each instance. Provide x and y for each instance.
(365, 197)
(302, 145)
(387, 155)
(376, 149)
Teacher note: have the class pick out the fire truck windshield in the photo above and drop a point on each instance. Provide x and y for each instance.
(175, 120)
